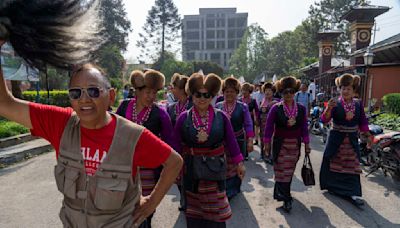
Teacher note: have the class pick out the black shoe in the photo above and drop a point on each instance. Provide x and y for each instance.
(357, 202)
(287, 206)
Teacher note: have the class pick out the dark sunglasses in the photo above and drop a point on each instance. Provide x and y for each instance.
(76, 93)
(205, 95)
(287, 91)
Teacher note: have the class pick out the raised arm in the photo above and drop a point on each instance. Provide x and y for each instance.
(10, 107)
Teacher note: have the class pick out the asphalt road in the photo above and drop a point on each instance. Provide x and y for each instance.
(29, 198)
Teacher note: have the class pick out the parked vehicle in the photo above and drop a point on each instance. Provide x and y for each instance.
(375, 130)
(385, 154)
(316, 126)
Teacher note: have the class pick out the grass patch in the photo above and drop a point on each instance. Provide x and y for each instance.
(8, 129)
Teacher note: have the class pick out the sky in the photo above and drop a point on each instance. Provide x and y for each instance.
(272, 15)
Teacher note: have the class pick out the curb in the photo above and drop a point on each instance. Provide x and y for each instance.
(9, 159)
(15, 140)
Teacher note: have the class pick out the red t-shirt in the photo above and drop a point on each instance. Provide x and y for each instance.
(49, 122)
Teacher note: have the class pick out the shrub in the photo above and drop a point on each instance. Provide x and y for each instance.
(8, 129)
(392, 102)
(57, 97)
(388, 121)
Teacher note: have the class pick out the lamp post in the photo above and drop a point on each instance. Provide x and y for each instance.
(368, 61)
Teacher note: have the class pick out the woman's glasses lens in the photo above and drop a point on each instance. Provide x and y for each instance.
(205, 95)
(288, 91)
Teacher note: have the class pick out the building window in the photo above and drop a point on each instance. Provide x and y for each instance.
(210, 34)
(193, 24)
(210, 45)
(231, 22)
(192, 35)
(220, 23)
(215, 57)
(205, 56)
(221, 34)
(231, 44)
(190, 56)
(210, 23)
(220, 44)
(231, 34)
(239, 33)
(193, 46)
(241, 22)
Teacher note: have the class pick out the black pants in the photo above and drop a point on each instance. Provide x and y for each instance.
(202, 223)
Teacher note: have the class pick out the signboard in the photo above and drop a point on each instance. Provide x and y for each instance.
(14, 67)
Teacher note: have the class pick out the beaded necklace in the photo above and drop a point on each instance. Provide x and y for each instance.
(229, 109)
(136, 117)
(246, 100)
(179, 109)
(349, 108)
(201, 125)
(291, 114)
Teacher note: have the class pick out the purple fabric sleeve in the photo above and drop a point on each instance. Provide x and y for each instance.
(257, 111)
(304, 128)
(323, 117)
(363, 120)
(177, 131)
(248, 123)
(230, 141)
(166, 129)
(269, 127)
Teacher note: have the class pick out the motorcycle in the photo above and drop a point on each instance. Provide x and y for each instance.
(316, 126)
(374, 130)
(385, 154)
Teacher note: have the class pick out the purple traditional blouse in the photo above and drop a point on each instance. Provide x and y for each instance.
(270, 127)
(229, 137)
(363, 126)
(248, 123)
(166, 128)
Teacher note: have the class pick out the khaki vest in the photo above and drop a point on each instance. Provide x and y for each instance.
(108, 198)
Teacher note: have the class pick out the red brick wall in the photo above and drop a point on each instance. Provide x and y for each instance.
(384, 80)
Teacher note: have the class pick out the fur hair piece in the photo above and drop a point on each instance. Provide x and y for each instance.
(137, 79)
(154, 79)
(348, 80)
(248, 87)
(232, 83)
(180, 81)
(288, 82)
(174, 79)
(211, 82)
(60, 33)
(268, 85)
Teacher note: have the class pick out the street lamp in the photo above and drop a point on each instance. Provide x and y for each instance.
(368, 57)
(368, 61)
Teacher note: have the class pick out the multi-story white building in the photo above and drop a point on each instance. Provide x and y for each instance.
(213, 35)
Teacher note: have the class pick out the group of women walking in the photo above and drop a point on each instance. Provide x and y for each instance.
(214, 140)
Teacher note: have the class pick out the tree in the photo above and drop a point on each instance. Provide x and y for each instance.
(208, 67)
(112, 61)
(326, 15)
(249, 59)
(117, 26)
(172, 66)
(160, 30)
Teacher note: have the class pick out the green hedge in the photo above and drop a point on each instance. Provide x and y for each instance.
(8, 129)
(388, 121)
(392, 102)
(57, 97)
